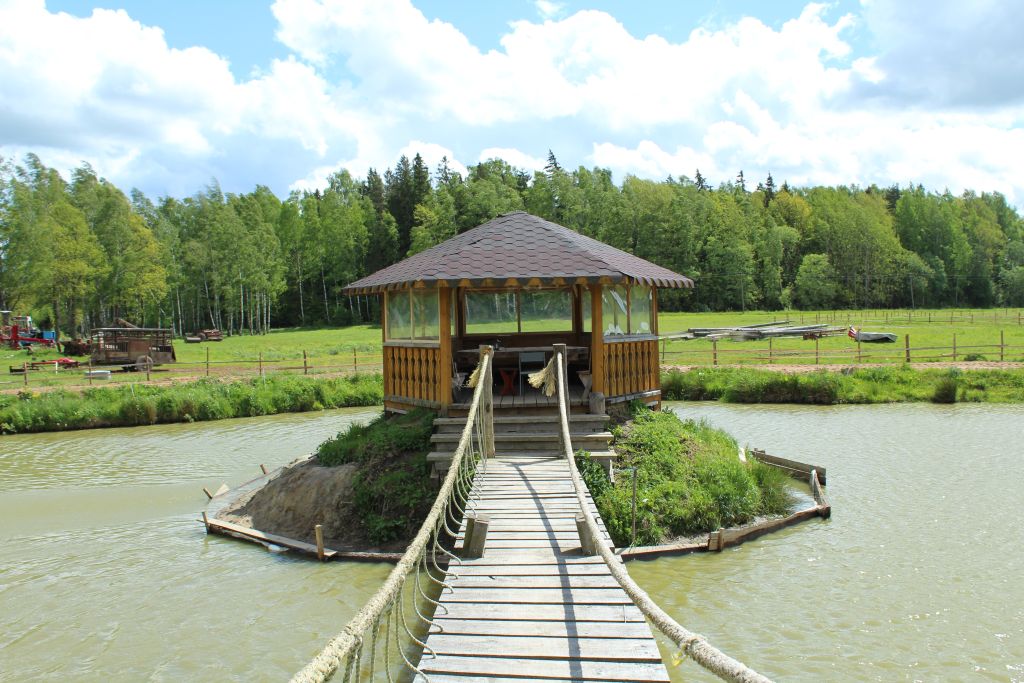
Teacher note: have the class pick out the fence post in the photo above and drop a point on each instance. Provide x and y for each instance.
(354, 365)
(954, 347)
(858, 351)
(1002, 345)
(24, 373)
(149, 366)
(207, 361)
(714, 352)
(817, 358)
(906, 346)
(769, 350)
(663, 342)
(261, 363)
(89, 372)
(305, 365)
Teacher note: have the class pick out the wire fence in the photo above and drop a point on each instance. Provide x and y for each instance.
(814, 352)
(418, 579)
(52, 373)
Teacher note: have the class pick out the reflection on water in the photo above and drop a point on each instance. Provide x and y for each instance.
(105, 573)
(918, 574)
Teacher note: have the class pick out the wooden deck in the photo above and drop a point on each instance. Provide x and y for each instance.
(533, 608)
(530, 398)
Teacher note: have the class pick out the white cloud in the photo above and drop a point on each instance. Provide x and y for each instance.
(548, 9)
(516, 158)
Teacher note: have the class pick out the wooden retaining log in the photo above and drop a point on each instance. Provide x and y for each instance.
(795, 469)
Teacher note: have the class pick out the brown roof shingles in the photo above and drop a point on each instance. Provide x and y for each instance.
(522, 247)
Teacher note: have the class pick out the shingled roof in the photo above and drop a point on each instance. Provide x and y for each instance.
(518, 249)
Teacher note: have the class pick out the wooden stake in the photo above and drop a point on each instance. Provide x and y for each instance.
(586, 542)
(479, 539)
(906, 346)
(714, 352)
(355, 366)
(305, 364)
(261, 363)
(858, 351)
(1002, 346)
(89, 372)
(207, 492)
(263, 467)
(206, 523)
(817, 357)
(319, 531)
(24, 373)
(207, 361)
(769, 350)
(954, 347)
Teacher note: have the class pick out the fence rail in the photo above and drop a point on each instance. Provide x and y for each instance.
(730, 353)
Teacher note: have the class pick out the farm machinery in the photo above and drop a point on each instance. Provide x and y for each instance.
(17, 332)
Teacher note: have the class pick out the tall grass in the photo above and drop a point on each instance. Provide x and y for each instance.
(893, 384)
(689, 480)
(198, 401)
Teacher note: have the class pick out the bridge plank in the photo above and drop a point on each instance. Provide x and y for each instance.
(568, 647)
(553, 629)
(546, 669)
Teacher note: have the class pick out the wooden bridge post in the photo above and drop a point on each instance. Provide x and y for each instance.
(476, 538)
(587, 546)
(487, 402)
(560, 353)
(318, 530)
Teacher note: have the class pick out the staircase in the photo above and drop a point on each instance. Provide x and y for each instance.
(528, 436)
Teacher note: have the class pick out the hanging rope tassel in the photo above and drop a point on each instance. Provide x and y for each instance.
(474, 379)
(544, 378)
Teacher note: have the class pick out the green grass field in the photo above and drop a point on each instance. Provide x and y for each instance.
(358, 348)
(931, 337)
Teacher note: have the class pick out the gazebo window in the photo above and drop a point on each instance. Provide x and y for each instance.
(585, 302)
(512, 312)
(413, 315)
(626, 310)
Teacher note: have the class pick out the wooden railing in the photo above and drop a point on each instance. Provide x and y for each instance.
(412, 375)
(631, 367)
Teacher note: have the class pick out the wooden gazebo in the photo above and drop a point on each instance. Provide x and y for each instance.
(519, 283)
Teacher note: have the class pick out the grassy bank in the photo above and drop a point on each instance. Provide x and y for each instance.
(186, 402)
(867, 385)
(689, 481)
(391, 489)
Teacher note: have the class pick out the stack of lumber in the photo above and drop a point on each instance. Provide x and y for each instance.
(765, 330)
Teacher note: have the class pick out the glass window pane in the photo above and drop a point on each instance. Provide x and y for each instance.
(398, 315)
(640, 310)
(585, 303)
(613, 310)
(491, 312)
(425, 315)
(546, 310)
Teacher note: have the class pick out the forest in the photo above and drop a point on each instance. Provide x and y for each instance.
(78, 253)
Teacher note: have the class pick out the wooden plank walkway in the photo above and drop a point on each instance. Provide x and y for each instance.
(533, 608)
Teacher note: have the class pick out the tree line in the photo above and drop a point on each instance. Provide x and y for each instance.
(80, 253)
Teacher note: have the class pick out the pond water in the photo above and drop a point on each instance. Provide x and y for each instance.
(106, 573)
(918, 575)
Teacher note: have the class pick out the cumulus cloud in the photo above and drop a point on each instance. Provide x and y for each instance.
(515, 157)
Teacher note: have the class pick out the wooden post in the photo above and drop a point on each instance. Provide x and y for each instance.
(149, 366)
(355, 365)
(263, 467)
(906, 346)
(206, 522)
(817, 343)
(596, 342)
(24, 373)
(663, 342)
(858, 351)
(587, 546)
(261, 363)
(207, 361)
(954, 347)
(560, 353)
(714, 352)
(468, 536)
(487, 401)
(1002, 345)
(445, 357)
(89, 372)
(479, 538)
(318, 530)
(207, 492)
(769, 350)
(305, 363)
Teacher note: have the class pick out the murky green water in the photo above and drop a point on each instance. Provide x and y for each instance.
(105, 574)
(919, 575)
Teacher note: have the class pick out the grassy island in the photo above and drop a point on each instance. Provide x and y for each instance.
(689, 481)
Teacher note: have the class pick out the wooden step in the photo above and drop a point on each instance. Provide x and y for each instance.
(525, 423)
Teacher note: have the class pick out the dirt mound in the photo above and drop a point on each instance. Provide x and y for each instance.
(298, 498)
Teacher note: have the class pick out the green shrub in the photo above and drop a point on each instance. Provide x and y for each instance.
(947, 387)
(689, 480)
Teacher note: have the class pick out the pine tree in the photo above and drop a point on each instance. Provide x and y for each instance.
(740, 182)
(552, 166)
(700, 182)
(769, 190)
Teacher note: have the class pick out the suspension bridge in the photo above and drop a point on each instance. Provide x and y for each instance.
(512, 577)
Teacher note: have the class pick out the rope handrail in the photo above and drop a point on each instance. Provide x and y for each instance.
(346, 647)
(692, 644)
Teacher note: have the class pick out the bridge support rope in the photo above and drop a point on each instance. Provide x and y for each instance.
(344, 651)
(689, 643)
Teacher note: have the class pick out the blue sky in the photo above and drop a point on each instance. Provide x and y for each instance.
(165, 96)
